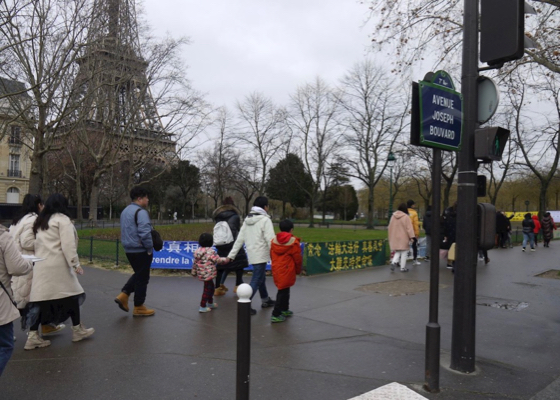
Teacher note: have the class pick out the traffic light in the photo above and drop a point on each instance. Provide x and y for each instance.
(502, 30)
(486, 226)
(489, 143)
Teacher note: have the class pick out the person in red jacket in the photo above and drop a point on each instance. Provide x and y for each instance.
(285, 253)
(537, 228)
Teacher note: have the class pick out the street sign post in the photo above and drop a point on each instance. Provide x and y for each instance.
(441, 113)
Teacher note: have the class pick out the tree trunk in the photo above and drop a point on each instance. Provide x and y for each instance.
(542, 198)
(311, 212)
(370, 224)
(79, 200)
(94, 200)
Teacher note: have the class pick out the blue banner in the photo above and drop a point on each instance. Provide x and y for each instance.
(179, 255)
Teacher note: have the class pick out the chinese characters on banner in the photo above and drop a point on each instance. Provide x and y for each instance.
(342, 256)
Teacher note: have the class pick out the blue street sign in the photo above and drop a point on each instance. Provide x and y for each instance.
(441, 113)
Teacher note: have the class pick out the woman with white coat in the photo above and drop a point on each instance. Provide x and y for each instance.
(21, 230)
(56, 293)
(401, 232)
(11, 264)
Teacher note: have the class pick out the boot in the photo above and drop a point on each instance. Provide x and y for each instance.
(47, 330)
(219, 291)
(80, 332)
(142, 311)
(122, 301)
(34, 341)
(224, 288)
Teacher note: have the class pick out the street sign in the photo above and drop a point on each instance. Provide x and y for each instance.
(441, 113)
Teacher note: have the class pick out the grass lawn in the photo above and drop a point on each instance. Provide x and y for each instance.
(191, 232)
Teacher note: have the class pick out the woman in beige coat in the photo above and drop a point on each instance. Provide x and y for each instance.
(55, 290)
(401, 233)
(21, 230)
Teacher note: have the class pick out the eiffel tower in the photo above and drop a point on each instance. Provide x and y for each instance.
(111, 91)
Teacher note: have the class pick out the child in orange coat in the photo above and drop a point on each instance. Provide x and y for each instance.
(285, 253)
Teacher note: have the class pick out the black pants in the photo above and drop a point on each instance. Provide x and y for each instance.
(138, 282)
(282, 302)
(415, 248)
(222, 275)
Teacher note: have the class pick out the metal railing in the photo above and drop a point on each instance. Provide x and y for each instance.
(15, 173)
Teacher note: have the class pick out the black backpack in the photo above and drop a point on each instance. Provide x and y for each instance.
(156, 237)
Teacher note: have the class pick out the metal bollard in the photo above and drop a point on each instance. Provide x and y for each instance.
(244, 292)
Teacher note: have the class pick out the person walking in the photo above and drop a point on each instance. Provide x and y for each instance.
(137, 241)
(528, 226)
(401, 233)
(502, 223)
(427, 225)
(21, 230)
(416, 226)
(256, 233)
(548, 226)
(12, 264)
(285, 252)
(227, 218)
(204, 267)
(449, 231)
(56, 293)
(537, 228)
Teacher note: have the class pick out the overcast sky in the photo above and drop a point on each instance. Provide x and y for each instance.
(270, 46)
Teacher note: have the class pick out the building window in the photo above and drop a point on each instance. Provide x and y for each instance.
(12, 196)
(14, 170)
(15, 135)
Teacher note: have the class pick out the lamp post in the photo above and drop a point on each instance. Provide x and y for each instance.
(390, 162)
(527, 205)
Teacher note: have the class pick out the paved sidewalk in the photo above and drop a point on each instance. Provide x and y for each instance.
(344, 340)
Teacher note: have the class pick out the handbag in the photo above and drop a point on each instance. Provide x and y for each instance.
(156, 237)
(451, 254)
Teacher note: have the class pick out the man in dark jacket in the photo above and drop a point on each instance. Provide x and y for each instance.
(528, 231)
(502, 223)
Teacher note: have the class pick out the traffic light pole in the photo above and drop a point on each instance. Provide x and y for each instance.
(464, 293)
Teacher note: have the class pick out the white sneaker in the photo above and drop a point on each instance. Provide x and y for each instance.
(416, 262)
(34, 341)
(80, 332)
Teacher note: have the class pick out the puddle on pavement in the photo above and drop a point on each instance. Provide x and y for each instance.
(503, 304)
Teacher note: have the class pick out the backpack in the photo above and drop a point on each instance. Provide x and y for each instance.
(157, 241)
(222, 234)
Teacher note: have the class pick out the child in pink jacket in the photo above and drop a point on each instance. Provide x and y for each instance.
(204, 266)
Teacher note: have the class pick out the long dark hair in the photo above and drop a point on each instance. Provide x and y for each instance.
(56, 203)
(30, 204)
(403, 207)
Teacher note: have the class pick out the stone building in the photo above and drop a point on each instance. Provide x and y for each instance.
(15, 144)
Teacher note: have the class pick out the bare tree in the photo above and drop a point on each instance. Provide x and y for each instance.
(375, 114)
(260, 130)
(313, 116)
(40, 43)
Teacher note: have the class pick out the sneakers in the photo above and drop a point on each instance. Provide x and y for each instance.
(80, 332)
(427, 258)
(142, 311)
(404, 269)
(416, 262)
(287, 313)
(122, 301)
(486, 260)
(253, 311)
(392, 267)
(523, 249)
(204, 309)
(268, 303)
(532, 249)
(212, 305)
(279, 318)
(35, 341)
(47, 330)
(449, 266)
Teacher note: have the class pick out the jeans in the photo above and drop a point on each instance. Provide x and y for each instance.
(282, 302)
(258, 281)
(428, 245)
(529, 237)
(138, 282)
(415, 248)
(6, 344)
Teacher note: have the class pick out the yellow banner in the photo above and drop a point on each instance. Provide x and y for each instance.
(519, 216)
